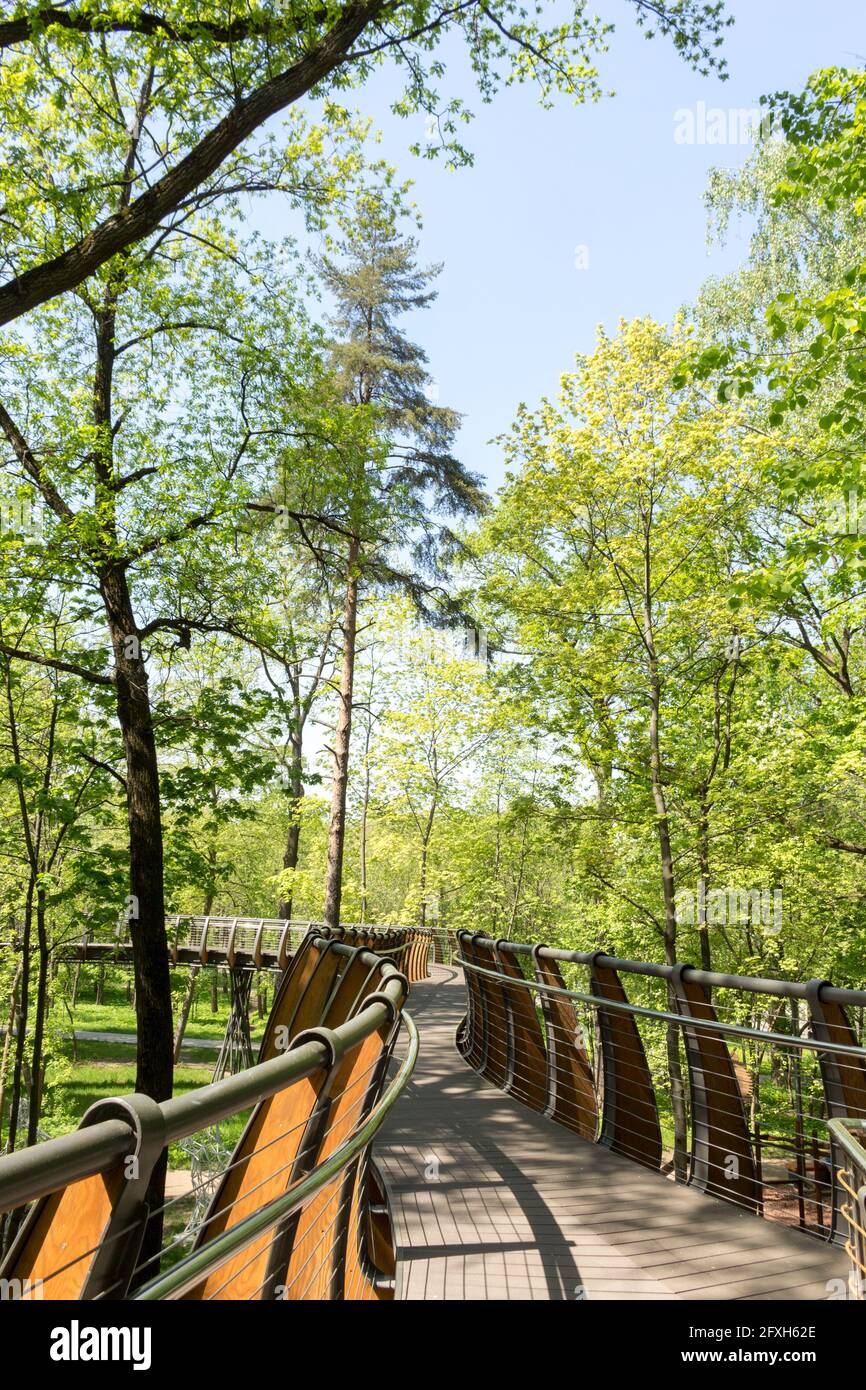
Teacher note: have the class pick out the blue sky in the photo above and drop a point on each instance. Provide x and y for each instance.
(513, 307)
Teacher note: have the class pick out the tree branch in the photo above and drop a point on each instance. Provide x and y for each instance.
(27, 459)
(55, 664)
(143, 216)
(251, 26)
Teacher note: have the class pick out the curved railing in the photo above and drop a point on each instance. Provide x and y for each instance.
(725, 1081)
(297, 1212)
(186, 1276)
(261, 943)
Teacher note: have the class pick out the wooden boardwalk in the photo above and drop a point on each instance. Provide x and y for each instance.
(491, 1201)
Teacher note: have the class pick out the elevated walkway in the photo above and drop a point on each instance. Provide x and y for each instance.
(493, 1201)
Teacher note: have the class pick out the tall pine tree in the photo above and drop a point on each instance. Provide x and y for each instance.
(402, 497)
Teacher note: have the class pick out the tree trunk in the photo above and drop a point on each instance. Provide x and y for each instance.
(13, 1220)
(7, 1044)
(422, 887)
(212, 866)
(362, 846)
(704, 860)
(293, 834)
(343, 734)
(23, 1011)
(183, 1019)
(521, 869)
(678, 1097)
(425, 859)
(146, 905)
(39, 1021)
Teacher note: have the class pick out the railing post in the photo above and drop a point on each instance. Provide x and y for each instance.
(722, 1161)
(230, 944)
(496, 1050)
(94, 1227)
(571, 1098)
(498, 954)
(202, 945)
(528, 1069)
(283, 1239)
(630, 1123)
(283, 949)
(475, 1040)
(354, 1183)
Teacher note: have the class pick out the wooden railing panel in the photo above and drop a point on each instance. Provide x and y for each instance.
(722, 1160)
(527, 1072)
(310, 1271)
(55, 1258)
(630, 1123)
(571, 1098)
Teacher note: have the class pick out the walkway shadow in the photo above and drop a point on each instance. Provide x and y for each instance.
(460, 1202)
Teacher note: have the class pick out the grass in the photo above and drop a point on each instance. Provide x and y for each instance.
(97, 1079)
(104, 1069)
(108, 1069)
(116, 1014)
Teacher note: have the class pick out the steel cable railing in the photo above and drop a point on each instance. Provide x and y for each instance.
(190, 1231)
(630, 1136)
(189, 1271)
(245, 943)
(299, 1211)
(701, 1082)
(116, 1289)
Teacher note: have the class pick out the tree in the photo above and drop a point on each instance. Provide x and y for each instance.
(617, 540)
(215, 761)
(300, 636)
(812, 327)
(145, 456)
(61, 791)
(384, 501)
(438, 715)
(787, 336)
(200, 82)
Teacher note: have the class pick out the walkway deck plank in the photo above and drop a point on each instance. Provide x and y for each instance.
(491, 1201)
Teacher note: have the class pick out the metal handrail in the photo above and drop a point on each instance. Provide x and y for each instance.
(841, 1131)
(714, 1026)
(752, 984)
(201, 1263)
(34, 1172)
(264, 956)
(854, 1210)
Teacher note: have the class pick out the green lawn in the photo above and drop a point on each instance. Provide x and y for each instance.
(116, 1014)
(108, 1069)
(104, 1069)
